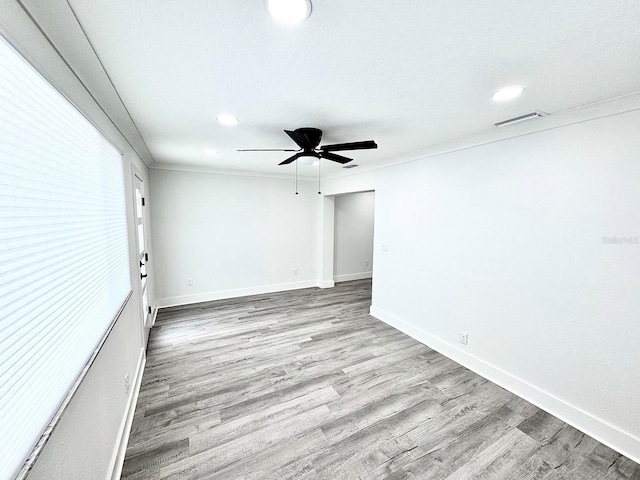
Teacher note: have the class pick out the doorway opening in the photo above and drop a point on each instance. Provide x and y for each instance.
(354, 219)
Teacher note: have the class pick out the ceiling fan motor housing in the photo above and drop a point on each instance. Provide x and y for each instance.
(312, 137)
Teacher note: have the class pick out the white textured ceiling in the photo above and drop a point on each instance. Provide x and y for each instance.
(407, 74)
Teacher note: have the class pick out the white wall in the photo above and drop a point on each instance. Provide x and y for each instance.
(232, 235)
(505, 242)
(86, 441)
(353, 247)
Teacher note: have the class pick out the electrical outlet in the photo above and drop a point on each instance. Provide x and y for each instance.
(126, 384)
(366, 263)
(295, 271)
(385, 247)
(189, 282)
(464, 338)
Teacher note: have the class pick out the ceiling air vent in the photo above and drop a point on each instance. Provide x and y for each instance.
(350, 166)
(521, 118)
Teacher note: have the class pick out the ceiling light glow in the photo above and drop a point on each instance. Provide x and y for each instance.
(507, 93)
(307, 160)
(289, 12)
(228, 119)
(211, 151)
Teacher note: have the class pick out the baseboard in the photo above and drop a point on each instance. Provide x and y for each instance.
(239, 292)
(117, 460)
(615, 438)
(155, 314)
(326, 284)
(352, 276)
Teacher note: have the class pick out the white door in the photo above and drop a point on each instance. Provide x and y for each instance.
(142, 254)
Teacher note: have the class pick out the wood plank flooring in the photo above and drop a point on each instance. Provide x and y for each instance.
(306, 385)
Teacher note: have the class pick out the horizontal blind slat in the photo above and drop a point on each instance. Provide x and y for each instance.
(64, 255)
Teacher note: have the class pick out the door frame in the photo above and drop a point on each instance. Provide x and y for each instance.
(142, 255)
(327, 237)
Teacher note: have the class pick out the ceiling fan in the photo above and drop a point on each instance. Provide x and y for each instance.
(308, 140)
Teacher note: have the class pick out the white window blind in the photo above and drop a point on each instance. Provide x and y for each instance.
(64, 267)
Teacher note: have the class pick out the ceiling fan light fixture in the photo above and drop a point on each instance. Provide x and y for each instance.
(307, 160)
(228, 119)
(507, 93)
(289, 12)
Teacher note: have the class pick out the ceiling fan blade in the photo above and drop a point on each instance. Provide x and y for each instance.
(267, 150)
(349, 146)
(300, 140)
(335, 158)
(291, 159)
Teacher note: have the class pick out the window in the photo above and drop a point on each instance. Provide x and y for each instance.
(64, 265)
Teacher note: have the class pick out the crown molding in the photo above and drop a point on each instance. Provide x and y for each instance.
(239, 173)
(581, 114)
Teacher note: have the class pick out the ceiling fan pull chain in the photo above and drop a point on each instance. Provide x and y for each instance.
(319, 164)
(296, 177)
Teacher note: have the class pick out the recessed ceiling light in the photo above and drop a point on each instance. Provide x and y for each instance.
(507, 93)
(211, 151)
(289, 11)
(227, 119)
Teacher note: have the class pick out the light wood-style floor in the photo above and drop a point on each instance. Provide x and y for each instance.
(306, 385)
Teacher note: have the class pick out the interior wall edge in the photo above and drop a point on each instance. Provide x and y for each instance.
(610, 435)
